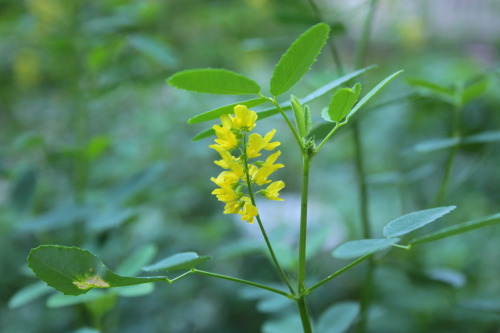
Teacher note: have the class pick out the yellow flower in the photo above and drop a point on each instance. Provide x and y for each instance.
(225, 138)
(233, 207)
(272, 191)
(249, 211)
(244, 118)
(256, 143)
(226, 194)
(229, 162)
(267, 169)
(225, 178)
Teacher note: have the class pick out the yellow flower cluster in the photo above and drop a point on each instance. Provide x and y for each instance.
(236, 147)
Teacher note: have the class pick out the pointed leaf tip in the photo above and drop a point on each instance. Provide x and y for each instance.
(415, 220)
(214, 81)
(298, 59)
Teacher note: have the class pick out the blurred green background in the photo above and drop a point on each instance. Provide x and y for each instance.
(96, 152)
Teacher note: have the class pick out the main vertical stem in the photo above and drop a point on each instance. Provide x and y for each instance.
(304, 315)
(361, 175)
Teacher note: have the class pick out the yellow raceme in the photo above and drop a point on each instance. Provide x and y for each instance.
(231, 139)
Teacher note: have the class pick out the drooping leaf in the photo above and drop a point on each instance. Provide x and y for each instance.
(372, 93)
(338, 317)
(74, 271)
(216, 113)
(29, 293)
(412, 221)
(287, 106)
(362, 247)
(307, 119)
(214, 81)
(176, 262)
(457, 229)
(298, 59)
(342, 102)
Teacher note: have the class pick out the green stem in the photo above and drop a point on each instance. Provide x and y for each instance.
(304, 315)
(250, 283)
(306, 160)
(287, 120)
(259, 221)
(455, 132)
(337, 273)
(335, 128)
(361, 175)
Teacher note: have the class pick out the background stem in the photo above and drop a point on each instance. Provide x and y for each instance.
(367, 291)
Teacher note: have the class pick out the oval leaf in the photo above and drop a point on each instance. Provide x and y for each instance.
(298, 59)
(372, 93)
(179, 261)
(216, 113)
(362, 247)
(214, 81)
(342, 102)
(458, 229)
(74, 271)
(415, 220)
(338, 318)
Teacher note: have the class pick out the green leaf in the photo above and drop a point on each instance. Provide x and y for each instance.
(435, 144)
(135, 291)
(442, 93)
(362, 247)
(204, 134)
(415, 220)
(457, 229)
(216, 113)
(298, 59)
(372, 93)
(29, 293)
(298, 113)
(132, 265)
(307, 119)
(214, 81)
(484, 137)
(74, 271)
(288, 324)
(342, 102)
(287, 106)
(60, 300)
(176, 262)
(338, 317)
(474, 90)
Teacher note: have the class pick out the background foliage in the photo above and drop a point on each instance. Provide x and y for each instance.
(95, 152)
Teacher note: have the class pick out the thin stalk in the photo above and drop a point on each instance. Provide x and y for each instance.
(287, 120)
(335, 128)
(337, 273)
(450, 160)
(261, 225)
(331, 45)
(304, 315)
(361, 175)
(306, 160)
(250, 283)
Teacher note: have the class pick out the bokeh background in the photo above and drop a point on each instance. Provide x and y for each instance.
(96, 152)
